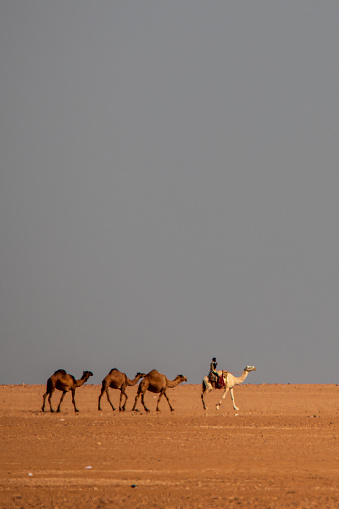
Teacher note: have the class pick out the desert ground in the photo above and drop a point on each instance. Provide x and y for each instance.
(280, 450)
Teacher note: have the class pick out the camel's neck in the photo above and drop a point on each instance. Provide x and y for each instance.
(240, 379)
(81, 382)
(133, 382)
(174, 383)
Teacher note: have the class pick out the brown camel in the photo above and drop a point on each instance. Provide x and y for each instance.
(156, 382)
(63, 382)
(117, 380)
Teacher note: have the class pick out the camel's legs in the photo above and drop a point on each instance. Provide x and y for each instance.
(206, 391)
(50, 388)
(103, 390)
(159, 398)
(109, 399)
(135, 401)
(206, 387)
(43, 401)
(73, 400)
(202, 399)
(143, 402)
(142, 394)
(168, 401)
(235, 407)
(223, 397)
(62, 397)
(49, 401)
(122, 393)
(99, 400)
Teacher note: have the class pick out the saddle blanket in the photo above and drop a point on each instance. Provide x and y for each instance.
(219, 382)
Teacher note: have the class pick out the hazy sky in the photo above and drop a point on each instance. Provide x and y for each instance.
(169, 188)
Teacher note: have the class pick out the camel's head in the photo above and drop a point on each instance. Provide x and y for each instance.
(142, 375)
(87, 374)
(250, 368)
(182, 378)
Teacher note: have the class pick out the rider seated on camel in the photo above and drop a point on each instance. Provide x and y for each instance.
(213, 376)
(215, 379)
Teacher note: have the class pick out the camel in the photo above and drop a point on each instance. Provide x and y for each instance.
(229, 382)
(117, 380)
(156, 382)
(63, 382)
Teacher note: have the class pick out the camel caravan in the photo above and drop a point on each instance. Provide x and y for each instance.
(153, 382)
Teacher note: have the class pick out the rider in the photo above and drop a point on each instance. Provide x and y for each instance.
(213, 370)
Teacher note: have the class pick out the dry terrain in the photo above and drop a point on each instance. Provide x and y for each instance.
(280, 450)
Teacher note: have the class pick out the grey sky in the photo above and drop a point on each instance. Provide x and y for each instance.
(169, 188)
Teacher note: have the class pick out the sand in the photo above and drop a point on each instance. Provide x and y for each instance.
(280, 450)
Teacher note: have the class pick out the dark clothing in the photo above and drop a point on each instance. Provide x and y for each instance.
(213, 372)
(213, 366)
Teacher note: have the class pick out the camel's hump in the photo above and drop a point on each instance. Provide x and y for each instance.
(60, 372)
(153, 372)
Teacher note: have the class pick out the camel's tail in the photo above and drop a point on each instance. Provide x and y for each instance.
(103, 386)
(49, 386)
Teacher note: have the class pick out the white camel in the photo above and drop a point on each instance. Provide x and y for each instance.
(229, 382)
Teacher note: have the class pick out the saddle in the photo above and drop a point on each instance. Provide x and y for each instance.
(219, 381)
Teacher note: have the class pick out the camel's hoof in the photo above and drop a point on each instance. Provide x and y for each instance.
(217, 406)
(76, 410)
